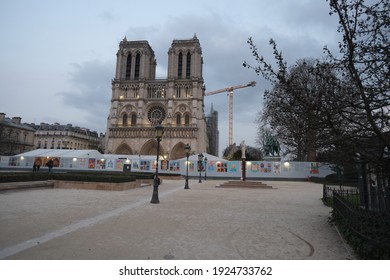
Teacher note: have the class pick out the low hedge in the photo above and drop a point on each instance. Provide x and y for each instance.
(114, 177)
(348, 180)
(365, 249)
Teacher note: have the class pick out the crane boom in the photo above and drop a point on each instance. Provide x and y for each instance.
(230, 90)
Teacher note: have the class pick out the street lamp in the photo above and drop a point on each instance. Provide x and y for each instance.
(159, 134)
(200, 166)
(187, 148)
(205, 169)
(243, 161)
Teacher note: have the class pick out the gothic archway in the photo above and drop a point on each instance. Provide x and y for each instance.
(123, 149)
(150, 148)
(178, 151)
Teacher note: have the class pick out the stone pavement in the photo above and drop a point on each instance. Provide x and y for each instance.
(202, 223)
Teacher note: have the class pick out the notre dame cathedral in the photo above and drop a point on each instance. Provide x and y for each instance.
(140, 101)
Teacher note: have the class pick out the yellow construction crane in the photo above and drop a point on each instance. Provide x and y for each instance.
(230, 90)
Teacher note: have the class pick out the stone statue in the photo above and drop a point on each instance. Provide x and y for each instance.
(243, 147)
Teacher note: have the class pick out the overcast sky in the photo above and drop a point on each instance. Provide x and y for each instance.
(57, 58)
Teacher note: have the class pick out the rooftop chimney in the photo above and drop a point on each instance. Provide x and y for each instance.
(16, 120)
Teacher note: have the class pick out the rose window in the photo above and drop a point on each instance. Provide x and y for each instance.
(156, 114)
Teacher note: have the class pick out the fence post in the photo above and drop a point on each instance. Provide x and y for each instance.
(324, 198)
(362, 185)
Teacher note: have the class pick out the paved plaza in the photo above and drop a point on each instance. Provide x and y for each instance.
(288, 221)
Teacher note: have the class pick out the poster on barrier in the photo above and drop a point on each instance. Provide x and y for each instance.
(211, 166)
(144, 165)
(91, 163)
(119, 164)
(254, 167)
(277, 167)
(232, 166)
(110, 164)
(222, 167)
(174, 166)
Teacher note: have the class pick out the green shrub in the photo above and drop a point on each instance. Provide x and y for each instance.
(362, 247)
(88, 176)
(346, 180)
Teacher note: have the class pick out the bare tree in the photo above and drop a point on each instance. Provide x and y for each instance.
(365, 64)
(339, 107)
(294, 107)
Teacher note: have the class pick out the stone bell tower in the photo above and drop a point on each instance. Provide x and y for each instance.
(140, 101)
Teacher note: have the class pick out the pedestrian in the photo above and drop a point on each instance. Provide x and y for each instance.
(50, 164)
(34, 167)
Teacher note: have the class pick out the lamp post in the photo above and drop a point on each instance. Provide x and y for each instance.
(205, 168)
(187, 148)
(200, 166)
(159, 134)
(243, 161)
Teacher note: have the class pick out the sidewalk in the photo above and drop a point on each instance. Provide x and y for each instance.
(203, 223)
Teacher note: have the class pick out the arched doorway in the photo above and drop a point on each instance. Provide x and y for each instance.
(178, 151)
(123, 149)
(150, 148)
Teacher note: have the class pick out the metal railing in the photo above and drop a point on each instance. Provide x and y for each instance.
(376, 199)
(373, 227)
(328, 190)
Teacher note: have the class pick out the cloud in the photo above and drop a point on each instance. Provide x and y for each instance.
(107, 17)
(91, 91)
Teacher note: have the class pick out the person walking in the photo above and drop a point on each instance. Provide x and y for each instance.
(50, 164)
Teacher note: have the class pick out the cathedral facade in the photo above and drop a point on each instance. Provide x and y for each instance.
(140, 101)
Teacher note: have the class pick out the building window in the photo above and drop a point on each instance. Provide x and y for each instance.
(133, 119)
(188, 92)
(178, 119)
(187, 119)
(156, 91)
(128, 67)
(180, 66)
(135, 93)
(124, 120)
(188, 66)
(137, 66)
